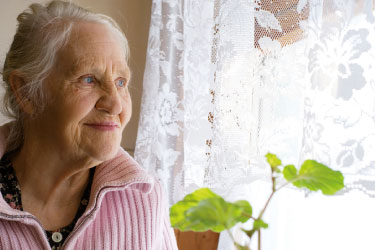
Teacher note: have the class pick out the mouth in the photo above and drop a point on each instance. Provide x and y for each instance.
(103, 126)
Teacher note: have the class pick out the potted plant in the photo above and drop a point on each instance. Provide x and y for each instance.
(203, 210)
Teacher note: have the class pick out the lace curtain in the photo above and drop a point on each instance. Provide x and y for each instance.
(227, 81)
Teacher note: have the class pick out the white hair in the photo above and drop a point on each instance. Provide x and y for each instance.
(42, 31)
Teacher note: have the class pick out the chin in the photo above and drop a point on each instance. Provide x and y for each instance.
(104, 153)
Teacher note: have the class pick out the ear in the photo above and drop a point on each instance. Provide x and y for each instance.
(17, 81)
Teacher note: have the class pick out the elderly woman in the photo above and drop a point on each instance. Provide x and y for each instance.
(65, 181)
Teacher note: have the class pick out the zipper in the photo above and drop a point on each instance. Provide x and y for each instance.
(76, 228)
(84, 219)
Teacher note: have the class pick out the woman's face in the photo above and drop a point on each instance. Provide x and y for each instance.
(88, 97)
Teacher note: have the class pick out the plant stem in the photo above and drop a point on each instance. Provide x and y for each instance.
(284, 185)
(247, 215)
(231, 235)
(265, 207)
(232, 238)
(259, 241)
(274, 190)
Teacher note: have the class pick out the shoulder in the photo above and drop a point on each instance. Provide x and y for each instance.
(152, 197)
(134, 183)
(122, 171)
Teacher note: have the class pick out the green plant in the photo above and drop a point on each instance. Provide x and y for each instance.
(204, 210)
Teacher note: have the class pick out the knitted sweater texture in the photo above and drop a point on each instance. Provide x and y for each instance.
(127, 210)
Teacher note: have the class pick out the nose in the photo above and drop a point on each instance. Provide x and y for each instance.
(110, 100)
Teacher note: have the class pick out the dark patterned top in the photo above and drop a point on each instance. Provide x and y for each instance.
(11, 192)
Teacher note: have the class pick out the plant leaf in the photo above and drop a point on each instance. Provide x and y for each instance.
(316, 176)
(209, 212)
(290, 172)
(207, 215)
(240, 247)
(177, 211)
(214, 214)
(246, 208)
(258, 224)
(249, 233)
(274, 161)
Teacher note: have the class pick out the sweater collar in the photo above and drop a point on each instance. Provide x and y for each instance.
(119, 172)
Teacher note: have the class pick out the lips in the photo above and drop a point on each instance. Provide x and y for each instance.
(103, 126)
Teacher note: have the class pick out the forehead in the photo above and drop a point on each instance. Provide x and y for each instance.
(93, 44)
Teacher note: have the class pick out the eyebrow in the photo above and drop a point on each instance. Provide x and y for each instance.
(91, 64)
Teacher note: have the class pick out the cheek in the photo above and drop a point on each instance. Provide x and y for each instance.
(75, 120)
(80, 108)
(126, 110)
(76, 110)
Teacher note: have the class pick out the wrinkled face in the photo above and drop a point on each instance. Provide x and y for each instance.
(88, 98)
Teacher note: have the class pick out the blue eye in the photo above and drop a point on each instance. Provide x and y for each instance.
(89, 79)
(121, 83)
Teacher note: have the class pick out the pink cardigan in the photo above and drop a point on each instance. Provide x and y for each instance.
(127, 210)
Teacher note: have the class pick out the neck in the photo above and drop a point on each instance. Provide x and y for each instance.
(50, 181)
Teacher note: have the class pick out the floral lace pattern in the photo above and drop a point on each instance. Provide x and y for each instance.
(174, 109)
(210, 104)
(227, 81)
(339, 99)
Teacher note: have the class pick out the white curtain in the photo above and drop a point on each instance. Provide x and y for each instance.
(227, 81)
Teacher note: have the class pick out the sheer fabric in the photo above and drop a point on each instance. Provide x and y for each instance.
(228, 81)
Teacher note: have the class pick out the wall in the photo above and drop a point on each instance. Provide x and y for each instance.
(132, 15)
